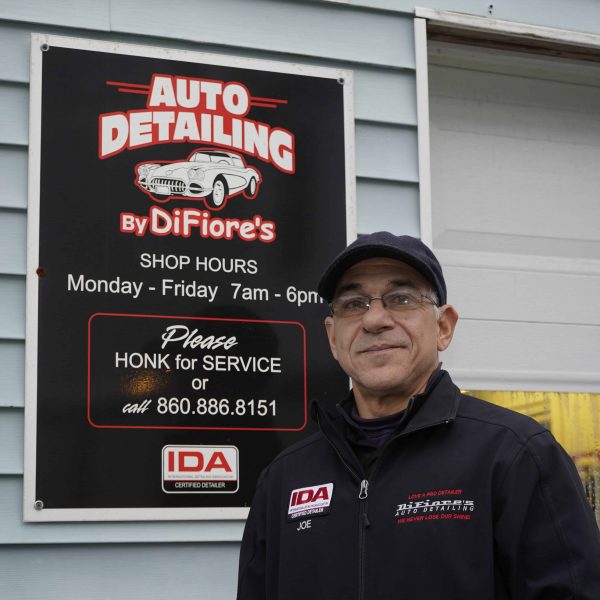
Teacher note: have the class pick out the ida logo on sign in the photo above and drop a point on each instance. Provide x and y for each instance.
(200, 469)
(310, 501)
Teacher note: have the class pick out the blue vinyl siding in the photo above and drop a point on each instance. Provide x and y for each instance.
(375, 39)
(137, 559)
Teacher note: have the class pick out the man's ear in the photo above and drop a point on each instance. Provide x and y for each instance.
(446, 326)
(330, 329)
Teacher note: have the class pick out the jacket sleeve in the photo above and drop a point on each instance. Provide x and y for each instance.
(252, 584)
(547, 541)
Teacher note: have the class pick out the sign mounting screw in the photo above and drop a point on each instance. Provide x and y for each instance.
(38, 505)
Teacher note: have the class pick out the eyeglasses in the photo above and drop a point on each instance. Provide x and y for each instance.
(395, 301)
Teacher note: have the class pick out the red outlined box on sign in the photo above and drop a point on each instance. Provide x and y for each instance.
(196, 319)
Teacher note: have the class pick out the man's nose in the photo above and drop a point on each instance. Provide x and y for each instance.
(377, 317)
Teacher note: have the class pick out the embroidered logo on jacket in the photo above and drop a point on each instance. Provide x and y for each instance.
(313, 501)
(435, 505)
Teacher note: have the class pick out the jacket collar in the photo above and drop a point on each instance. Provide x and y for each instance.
(437, 405)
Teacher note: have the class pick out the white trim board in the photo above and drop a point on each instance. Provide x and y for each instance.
(423, 132)
(510, 28)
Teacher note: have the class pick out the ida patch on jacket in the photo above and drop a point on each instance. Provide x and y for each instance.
(311, 501)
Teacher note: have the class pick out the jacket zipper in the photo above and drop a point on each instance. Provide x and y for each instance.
(363, 520)
(363, 495)
(362, 527)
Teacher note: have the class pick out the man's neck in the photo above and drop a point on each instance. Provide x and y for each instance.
(374, 406)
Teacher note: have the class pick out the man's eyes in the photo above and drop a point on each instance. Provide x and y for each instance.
(394, 298)
(357, 302)
(399, 298)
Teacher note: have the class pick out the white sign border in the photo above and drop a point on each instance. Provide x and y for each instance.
(33, 510)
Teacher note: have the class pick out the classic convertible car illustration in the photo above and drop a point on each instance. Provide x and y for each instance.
(208, 174)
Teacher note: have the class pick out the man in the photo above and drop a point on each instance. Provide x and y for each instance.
(411, 489)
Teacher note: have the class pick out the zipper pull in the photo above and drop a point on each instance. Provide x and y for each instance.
(364, 489)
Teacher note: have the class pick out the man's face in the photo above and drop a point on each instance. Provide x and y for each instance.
(388, 353)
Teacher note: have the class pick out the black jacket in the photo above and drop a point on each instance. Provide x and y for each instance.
(468, 501)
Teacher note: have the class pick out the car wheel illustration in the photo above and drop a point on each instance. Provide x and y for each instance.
(251, 189)
(218, 197)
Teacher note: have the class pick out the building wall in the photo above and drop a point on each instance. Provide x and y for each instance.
(374, 38)
(199, 559)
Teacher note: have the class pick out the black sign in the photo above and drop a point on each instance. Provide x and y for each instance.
(186, 210)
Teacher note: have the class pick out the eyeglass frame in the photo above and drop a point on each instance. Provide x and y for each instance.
(369, 300)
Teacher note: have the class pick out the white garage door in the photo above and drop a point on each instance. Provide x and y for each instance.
(515, 161)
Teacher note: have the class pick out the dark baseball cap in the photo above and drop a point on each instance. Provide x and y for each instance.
(405, 248)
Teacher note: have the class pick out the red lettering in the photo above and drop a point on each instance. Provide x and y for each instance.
(184, 465)
(308, 495)
(218, 461)
(321, 494)
(304, 497)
